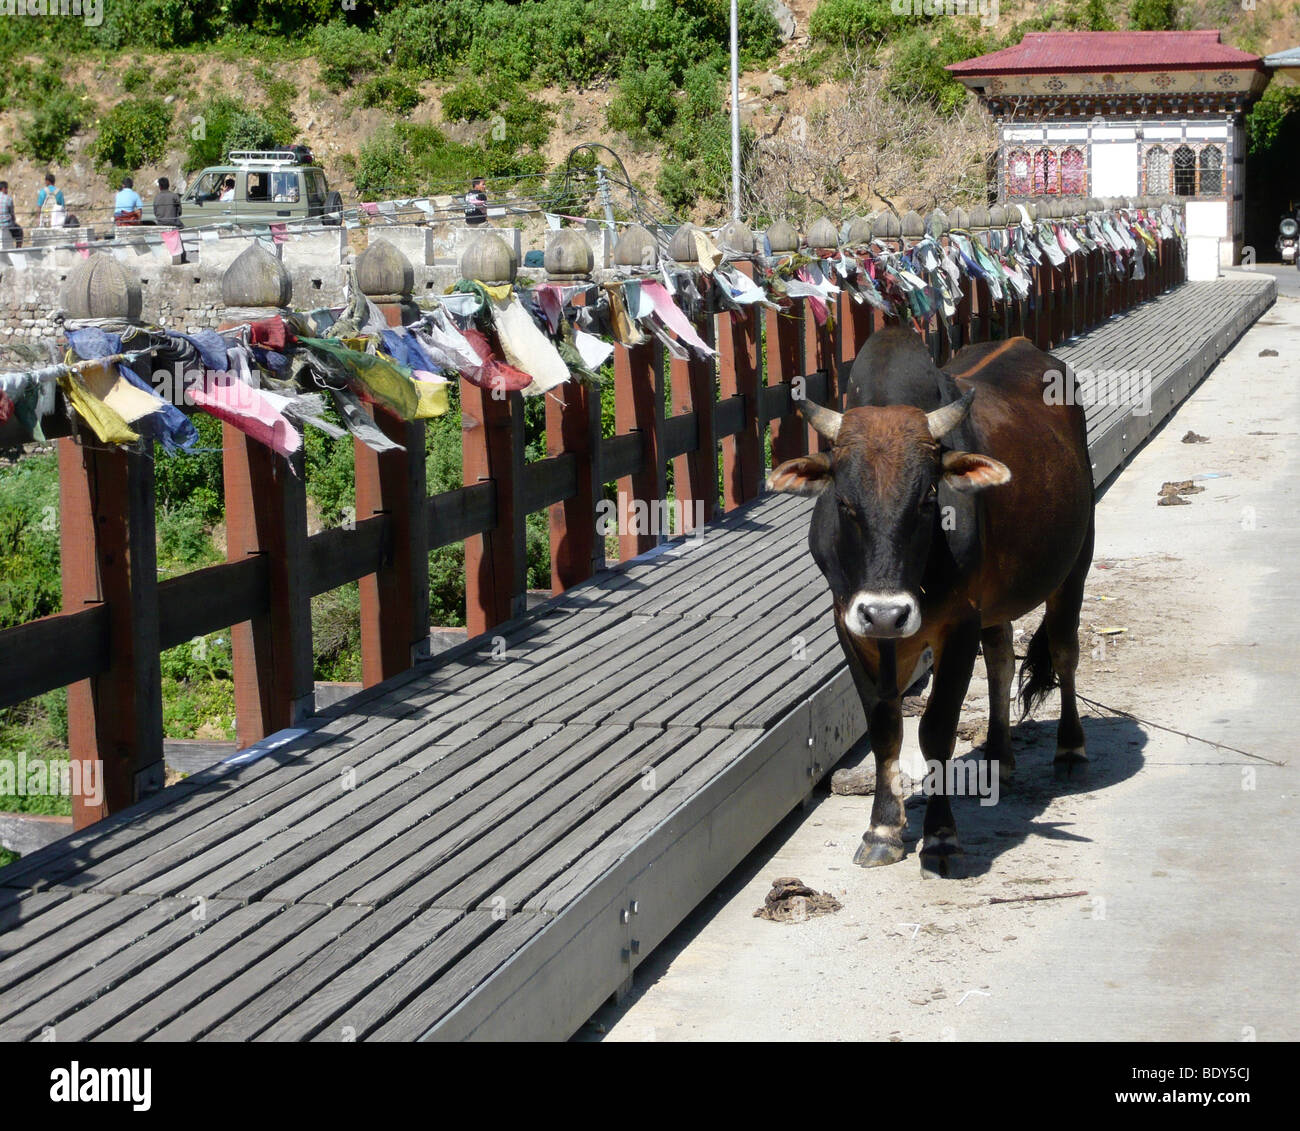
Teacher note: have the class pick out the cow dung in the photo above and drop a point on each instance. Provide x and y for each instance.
(1190, 437)
(793, 901)
(1172, 493)
(855, 781)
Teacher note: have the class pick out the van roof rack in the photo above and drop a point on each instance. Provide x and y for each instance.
(263, 157)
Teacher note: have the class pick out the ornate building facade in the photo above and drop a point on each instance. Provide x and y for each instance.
(1116, 114)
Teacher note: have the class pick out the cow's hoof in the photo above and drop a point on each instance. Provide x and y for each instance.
(1070, 764)
(877, 853)
(942, 856)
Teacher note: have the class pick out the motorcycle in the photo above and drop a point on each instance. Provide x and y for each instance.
(1288, 241)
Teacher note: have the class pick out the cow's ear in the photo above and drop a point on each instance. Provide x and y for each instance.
(969, 472)
(805, 475)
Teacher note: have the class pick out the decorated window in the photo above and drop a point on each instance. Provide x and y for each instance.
(1045, 172)
(1184, 171)
(1074, 172)
(1157, 171)
(1211, 163)
(1019, 182)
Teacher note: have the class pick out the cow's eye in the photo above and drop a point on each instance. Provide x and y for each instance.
(930, 495)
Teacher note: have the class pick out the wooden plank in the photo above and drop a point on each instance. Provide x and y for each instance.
(201, 993)
(138, 950)
(443, 935)
(456, 515)
(186, 608)
(254, 977)
(36, 972)
(451, 986)
(166, 969)
(341, 554)
(420, 813)
(471, 815)
(469, 876)
(51, 652)
(328, 967)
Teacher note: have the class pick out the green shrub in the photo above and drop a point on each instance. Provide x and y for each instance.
(344, 52)
(916, 67)
(1153, 15)
(57, 117)
(390, 92)
(646, 103)
(249, 130)
(30, 583)
(136, 78)
(854, 23)
(133, 133)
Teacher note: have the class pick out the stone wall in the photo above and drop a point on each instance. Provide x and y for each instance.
(187, 296)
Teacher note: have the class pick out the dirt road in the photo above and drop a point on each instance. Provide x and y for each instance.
(1186, 851)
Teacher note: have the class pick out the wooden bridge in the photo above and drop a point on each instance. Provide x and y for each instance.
(487, 844)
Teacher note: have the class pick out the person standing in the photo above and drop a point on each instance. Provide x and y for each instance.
(476, 202)
(49, 203)
(8, 222)
(128, 208)
(167, 205)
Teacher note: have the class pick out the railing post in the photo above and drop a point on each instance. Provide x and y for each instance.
(573, 428)
(639, 410)
(738, 376)
(692, 383)
(394, 599)
(491, 447)
(783, 340)
(819, 358)
(108, 556)
(266, 515)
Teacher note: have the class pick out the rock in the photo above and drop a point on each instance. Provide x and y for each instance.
(784, 19)
(771, 85)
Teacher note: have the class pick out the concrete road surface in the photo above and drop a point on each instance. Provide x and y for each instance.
(1186, 851)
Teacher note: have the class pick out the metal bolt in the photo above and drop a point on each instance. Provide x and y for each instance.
(622, 915)
(636, 907)
(636, 946)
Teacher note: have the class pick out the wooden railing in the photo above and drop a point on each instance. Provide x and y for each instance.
(118, 617)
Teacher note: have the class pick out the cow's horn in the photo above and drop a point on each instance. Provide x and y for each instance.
(825, 421)
(944, 420)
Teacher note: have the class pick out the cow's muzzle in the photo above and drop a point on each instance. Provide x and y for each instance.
(883, 616)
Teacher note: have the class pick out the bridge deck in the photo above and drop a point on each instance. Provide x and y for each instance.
(488, 845)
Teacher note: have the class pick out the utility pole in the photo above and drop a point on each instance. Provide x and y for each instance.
(605, 198)
(735, 112)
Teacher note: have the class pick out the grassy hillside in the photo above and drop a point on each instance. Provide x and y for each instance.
(416, 96)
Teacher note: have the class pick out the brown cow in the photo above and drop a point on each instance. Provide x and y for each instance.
(952, 502)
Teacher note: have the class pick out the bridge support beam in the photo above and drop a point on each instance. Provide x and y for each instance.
(738, 376)
(395, 599)
(108, 556)
(639, 408)
(266, 514)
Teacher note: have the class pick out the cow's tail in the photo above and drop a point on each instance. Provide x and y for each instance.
(1037, 677)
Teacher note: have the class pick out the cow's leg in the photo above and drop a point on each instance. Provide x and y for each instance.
(941, 853)
(882, 843)
(1000, 662)
(1062, 622)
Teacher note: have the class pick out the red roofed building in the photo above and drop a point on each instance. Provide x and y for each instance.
(1124, 114)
